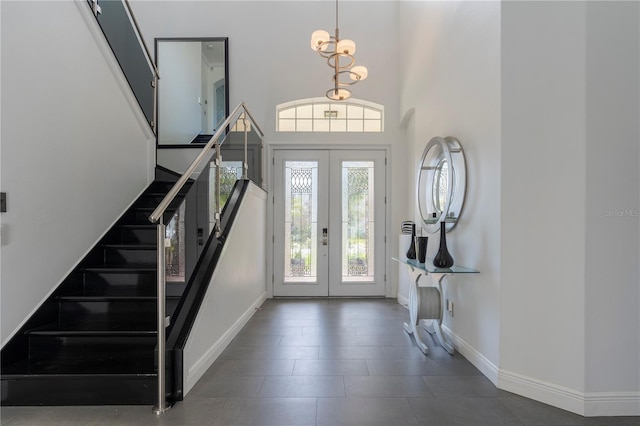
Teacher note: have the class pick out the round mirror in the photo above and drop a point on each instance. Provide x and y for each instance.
(441, 183)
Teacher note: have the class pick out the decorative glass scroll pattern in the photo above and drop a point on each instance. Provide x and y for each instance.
(301, 221)
(358, 221)
(175, 251)
(230, 171)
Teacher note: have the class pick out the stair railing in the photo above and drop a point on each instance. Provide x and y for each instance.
(121, 29)
(231, 124)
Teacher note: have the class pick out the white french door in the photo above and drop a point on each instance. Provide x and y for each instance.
(329, 223)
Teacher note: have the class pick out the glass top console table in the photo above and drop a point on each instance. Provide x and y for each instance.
(426, 300)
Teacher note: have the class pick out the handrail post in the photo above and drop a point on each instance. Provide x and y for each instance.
(154, 83)
(218, 163)
(162, 404)
(245, 164)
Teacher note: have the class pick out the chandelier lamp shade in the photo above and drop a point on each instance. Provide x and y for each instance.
(339, 54)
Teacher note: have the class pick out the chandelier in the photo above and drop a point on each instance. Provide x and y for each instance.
(339, 55)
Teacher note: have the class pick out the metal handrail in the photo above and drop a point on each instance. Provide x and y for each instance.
(157, 217)
(164, 204)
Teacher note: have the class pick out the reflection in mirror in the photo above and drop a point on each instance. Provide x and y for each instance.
(440, 186)
(193, 96)
(441, 183)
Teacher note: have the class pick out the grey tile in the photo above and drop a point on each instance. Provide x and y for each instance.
(228, 386)
(456, 386)
(315, 340)
(303, 386)
(365, 411)
(632, 421)
(329, 330)
(401, 367)
(268, 411)
(248, 339)
(462, 412)
(331, 367)
(453, 366)
(272, 329)
(377, 330)
(190, 412)
(531, 412)
(279, 352)
(352, 352)
(386, 386)
(255, 367)
(404, 352)
(84, 415)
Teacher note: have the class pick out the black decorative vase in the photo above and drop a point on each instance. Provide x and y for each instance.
(421, 248)
(411, 253)
(443, 259)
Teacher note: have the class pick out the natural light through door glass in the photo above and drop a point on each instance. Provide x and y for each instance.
(357, 221)
(301, 217)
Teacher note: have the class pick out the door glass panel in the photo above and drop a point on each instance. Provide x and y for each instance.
(301, 217)
(358, 221)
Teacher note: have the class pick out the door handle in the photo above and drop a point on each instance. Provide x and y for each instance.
(325, 236)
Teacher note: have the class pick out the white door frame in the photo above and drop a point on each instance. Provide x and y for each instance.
(269, 184)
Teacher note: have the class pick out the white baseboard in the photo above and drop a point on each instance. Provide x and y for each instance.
(612, 404)
(202, 365)
(588, 404)
(481, 362)
(403, 300)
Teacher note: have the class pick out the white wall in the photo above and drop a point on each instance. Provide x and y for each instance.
(237, 288)
(179, 88)
(451, 76)
(543, 191)
(570, 278)
(76, 150)
(612, 202)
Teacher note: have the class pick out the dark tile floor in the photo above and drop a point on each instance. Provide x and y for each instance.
(329, 362)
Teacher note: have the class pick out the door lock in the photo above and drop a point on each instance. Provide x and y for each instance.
(325, 236)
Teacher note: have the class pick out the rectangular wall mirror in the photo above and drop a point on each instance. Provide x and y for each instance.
(193, 95)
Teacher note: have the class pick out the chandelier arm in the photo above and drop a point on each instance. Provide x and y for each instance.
(333, 57)
(351, 75)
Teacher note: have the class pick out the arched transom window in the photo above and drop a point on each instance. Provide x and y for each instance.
(321, 115)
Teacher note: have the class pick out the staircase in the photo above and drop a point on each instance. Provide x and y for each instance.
(92, 342)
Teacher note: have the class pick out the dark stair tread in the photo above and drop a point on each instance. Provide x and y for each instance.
(131, 246)
(104, 365)
(137, 226)
(126, 268)
(116, 295)
(97, 328)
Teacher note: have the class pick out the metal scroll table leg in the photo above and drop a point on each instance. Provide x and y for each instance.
(433, 326)
(414, 303)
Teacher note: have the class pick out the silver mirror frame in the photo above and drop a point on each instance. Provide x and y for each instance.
(437, 151)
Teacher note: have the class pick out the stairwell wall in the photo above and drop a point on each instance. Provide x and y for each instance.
(76, 150)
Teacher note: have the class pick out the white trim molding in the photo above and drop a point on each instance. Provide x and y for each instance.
(589, 404)
(475, 357)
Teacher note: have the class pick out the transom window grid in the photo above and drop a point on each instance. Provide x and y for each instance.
(318, 115)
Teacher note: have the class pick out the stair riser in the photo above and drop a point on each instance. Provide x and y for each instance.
(105, 310)
(118, 348)
(122, 256)
(142, 236)
(152, 200)
(80, 390)
(141, 217)
(98, 280)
